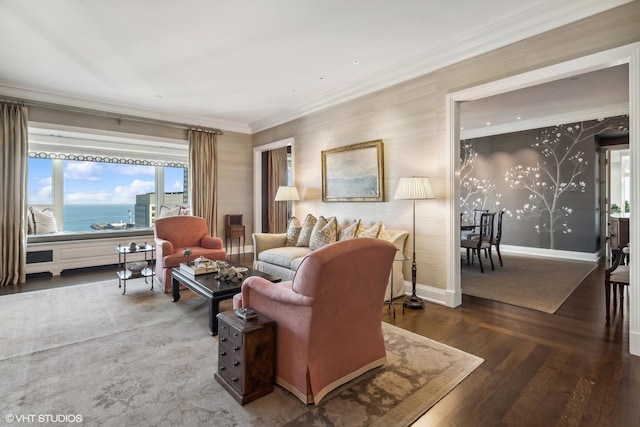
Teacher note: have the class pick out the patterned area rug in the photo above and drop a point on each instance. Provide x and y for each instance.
(139, 359)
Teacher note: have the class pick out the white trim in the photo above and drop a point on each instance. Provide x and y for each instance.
(26, 94)
(454, 291)
(78, 140)
(634, 226)
(542, 122)
(550, 253)
(257, 177)
(625, 54)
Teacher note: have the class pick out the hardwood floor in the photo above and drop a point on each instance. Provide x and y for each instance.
(564, 369)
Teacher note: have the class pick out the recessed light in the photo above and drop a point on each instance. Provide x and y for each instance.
(356, 62)
(321, 78)
(488, 123)
(518, 118)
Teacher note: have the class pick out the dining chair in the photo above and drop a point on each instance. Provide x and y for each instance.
(617, 274)
(483, 240)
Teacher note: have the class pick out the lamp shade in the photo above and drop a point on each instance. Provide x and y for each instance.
(414, 188)
(286, 193)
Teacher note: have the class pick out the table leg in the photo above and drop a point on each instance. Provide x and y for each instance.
(175, 289)
(214, 309)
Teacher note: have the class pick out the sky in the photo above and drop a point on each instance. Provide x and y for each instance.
(88, 183)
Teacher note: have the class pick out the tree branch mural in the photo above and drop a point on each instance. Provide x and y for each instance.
(558, 173)
(474, 193)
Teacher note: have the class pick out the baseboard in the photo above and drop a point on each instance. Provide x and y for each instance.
(432, 294)
(549, 253)
(634, 343)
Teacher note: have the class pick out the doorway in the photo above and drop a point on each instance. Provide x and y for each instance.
(615, 192)
(259, 201)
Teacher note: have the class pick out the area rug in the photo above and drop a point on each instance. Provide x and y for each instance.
(541, 284)
(139, 359)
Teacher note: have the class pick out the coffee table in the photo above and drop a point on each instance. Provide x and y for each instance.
(212, 289)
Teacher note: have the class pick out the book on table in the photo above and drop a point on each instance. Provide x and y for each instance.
(203, 267)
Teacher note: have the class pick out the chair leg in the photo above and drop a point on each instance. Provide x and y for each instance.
(480, 261)
(468, 257)
(490, 257)
(621, 292)
(499, 256)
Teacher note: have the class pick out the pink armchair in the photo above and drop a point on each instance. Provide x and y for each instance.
(175, 233)
(329, 317)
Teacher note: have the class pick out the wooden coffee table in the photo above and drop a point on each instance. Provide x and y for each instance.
(212, 289)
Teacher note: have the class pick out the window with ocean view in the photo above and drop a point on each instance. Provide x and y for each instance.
(79, 193)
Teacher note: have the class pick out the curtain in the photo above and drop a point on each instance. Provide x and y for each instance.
(203, 177)
(277, 177)
(13, 167)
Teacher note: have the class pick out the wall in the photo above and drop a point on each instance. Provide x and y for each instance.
(235, 184)
(511, 172)
(411, 119)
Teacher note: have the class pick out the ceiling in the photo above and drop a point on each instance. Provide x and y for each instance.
(246, 66)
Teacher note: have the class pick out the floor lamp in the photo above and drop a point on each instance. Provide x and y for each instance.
(287, 194)
(414, 188)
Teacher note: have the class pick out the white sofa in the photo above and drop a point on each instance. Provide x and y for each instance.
(271, 256)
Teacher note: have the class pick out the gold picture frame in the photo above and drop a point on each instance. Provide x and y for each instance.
(354, 173)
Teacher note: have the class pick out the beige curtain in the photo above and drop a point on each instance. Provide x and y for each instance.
(203, 177)
(277, 177)
(14, 143)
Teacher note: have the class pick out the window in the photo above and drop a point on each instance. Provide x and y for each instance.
(88, 193)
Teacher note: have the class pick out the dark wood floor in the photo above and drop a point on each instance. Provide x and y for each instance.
(564, 369)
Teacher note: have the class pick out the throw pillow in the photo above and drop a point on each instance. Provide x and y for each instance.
(43, 221)
(371, 231)
(169, 211)
(324, 232)
(349, 232)
(307, 229)
(30, 225)
(293, 232)
(384, 234)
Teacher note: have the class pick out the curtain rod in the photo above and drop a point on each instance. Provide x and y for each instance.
(119, 117)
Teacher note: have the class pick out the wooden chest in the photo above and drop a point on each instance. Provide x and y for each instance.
(246, 356)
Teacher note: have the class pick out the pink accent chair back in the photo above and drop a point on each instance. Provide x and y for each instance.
(329, 317)
(175, 233)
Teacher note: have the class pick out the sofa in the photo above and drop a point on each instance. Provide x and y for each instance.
(280, 254)
(328, 317)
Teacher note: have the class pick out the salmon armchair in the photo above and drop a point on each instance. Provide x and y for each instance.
(175, 233)
(329, 317)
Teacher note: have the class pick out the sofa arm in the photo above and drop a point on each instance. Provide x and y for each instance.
(211, 242)
(264, 241)
(278, 293)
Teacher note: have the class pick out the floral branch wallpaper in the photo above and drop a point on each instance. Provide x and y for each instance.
(545, 180)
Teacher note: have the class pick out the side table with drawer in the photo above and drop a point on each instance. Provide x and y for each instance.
(246, 356)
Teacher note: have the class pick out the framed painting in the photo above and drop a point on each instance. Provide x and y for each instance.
(353, 173)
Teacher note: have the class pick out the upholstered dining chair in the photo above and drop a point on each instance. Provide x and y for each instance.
(618, 276)
(496, 239)
(483, 241)
(328, 318)
(173, 234)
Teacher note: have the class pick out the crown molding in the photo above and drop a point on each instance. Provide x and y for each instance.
(542, 122)
(536, 20)
(27, 95)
